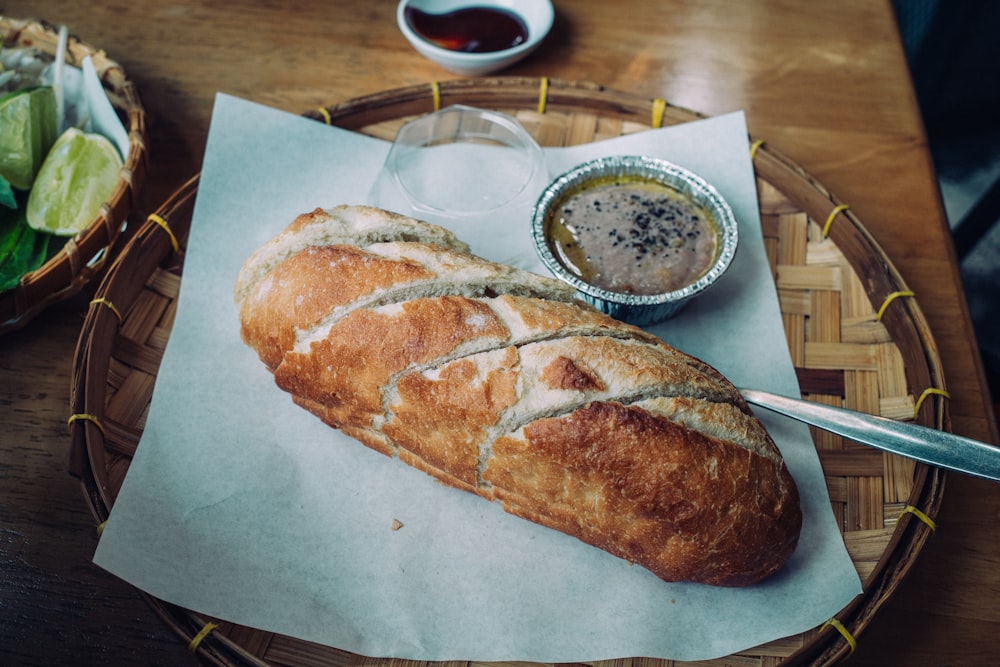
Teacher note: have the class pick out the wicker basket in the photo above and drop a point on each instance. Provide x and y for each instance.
(85, 255)
(856, 335)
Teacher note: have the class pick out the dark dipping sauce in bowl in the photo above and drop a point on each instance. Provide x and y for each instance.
(633, 236)
(470, 29)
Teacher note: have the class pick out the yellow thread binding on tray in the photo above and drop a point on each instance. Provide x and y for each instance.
(659, 108)
(163, 223)
(889, 299)
(753, 148)
(198, 638)
(543, 94)
(325, 114)
(833, 214)
(920, 515)
(100, 528)
(923, 397)
(436, 95)
(110, 306)
(83, 416)
(845, 633)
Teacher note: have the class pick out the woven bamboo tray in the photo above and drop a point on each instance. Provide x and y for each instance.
(84, 256)
(857, 338)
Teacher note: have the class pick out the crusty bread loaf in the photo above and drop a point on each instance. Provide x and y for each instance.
(499, 382)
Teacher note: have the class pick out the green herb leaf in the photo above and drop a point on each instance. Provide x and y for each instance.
(22, 249)
(7, 194)
(11, 228)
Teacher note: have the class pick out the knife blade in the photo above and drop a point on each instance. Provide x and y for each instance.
(927, 445)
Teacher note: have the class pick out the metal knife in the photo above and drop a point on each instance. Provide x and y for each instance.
(928, 445)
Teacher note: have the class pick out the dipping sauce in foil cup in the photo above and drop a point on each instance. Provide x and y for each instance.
(637, 236)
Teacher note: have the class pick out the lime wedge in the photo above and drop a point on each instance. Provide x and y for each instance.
(78, 175)
(28, 126)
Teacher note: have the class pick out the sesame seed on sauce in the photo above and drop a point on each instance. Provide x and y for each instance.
(638, 237)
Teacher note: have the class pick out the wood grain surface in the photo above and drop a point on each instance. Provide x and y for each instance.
(824, 82)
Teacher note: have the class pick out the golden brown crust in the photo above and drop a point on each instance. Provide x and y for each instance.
(465, 370)
(683, 505)
(283, 302)
(446, 420)
(564, 373)
(347, 369)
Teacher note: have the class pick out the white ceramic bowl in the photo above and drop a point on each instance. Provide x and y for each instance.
(536, 14)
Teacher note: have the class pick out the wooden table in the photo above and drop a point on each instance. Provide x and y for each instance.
(825, 82)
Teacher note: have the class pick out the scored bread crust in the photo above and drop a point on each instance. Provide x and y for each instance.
(500, 382)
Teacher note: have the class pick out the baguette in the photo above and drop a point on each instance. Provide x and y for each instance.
(500, 382)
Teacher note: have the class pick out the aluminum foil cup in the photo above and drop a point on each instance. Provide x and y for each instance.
(639, 309)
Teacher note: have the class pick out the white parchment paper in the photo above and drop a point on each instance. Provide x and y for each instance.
(242, 506)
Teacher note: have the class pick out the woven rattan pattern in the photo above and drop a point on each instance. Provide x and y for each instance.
(84, 256)
(831, 288)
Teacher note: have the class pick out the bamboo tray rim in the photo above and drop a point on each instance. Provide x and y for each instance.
(150, 257)
(83, 257)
